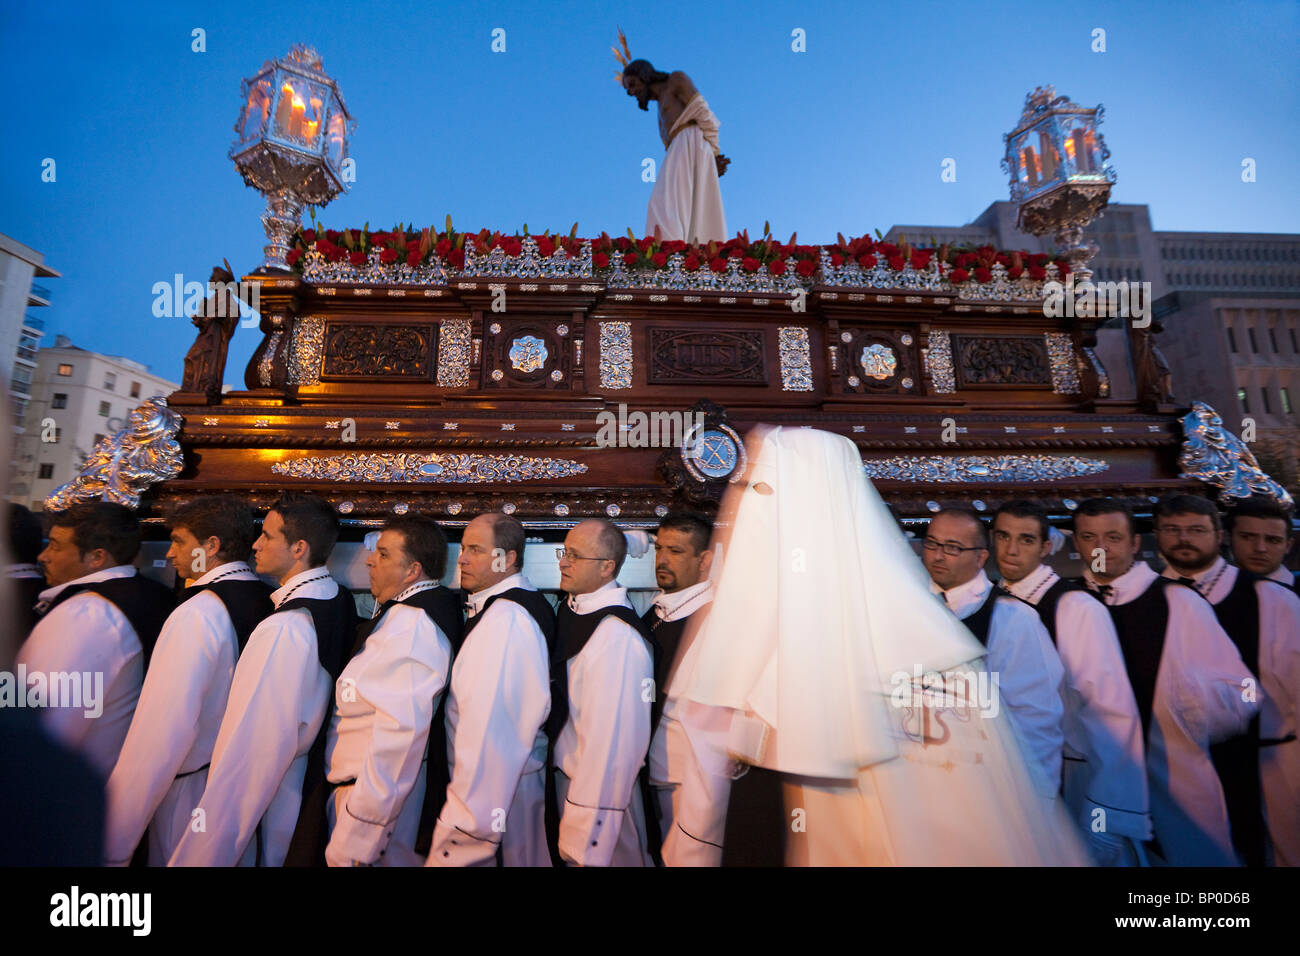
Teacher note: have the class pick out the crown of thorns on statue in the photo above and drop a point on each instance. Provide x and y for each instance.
(641, 69)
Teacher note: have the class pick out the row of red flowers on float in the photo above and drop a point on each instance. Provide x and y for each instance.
(414, 248)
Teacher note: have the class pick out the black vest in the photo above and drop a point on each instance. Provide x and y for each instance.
(335, 621)
(1050, 601)
(1237, 760)
(666, 637)
(572, 631)
(143, 602)
(247, 603)
(1140, 625)
(979, 620)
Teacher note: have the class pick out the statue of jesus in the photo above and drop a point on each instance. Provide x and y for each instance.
(686, 203)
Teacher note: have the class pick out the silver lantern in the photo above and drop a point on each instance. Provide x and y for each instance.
(292, 143)
(1060, 176)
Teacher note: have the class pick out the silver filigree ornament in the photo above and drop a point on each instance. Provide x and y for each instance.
(957, 469)
(123, 465)
(1214, 455)
(430, 468)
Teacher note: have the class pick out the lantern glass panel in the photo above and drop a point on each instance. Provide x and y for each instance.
(299, 112)
(1080, 139)
(257, 108)
(336, 144)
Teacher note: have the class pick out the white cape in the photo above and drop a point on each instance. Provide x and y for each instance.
(822, 614)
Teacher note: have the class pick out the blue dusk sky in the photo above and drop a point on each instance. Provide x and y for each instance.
(848, 136)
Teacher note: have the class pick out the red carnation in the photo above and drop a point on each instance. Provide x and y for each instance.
(749, 264)
(645, 243)
(1015, 272)
(293, 256)
(629, 258)
(982, 274)
(388, 256)
(514, 247)
(958, 275)
(867, 261)
(659, 259)
(837, 260)
(456, 258)
(622, 243)
(887, 249)
(1039, 258)
(718, 265)
(896, 263)
(357, 258)
(805, 267)
(1037, 272)
(442, 248)
(600, 260)
(412, 244)
(546, 247)
(413, 258)
(691, 263)
(309, 236)
(1003, 258)
(776, 267)
(920, 260)
(332, 235)
(737, 252)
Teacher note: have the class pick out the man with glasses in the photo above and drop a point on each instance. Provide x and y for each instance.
(1104, 779)
(602, 684)
(1020, 652)
(1259, 770)
(1189, 682)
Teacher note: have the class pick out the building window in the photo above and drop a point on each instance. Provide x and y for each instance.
(1286, 402)
(1245, 402)
(47, 471)
(1272, 338)
(103, 409)
(1268, 410)
(110, 380)
(1254, 346)
(65, 369)
(1294, 346)
(60, 400)
(1232, 340)
(135, 389)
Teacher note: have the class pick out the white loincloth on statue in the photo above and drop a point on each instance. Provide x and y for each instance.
(686, 203)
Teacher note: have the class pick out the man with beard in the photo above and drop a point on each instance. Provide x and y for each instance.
(1104, 779)
(686, 204)
(1259, 530)
(1187, 677)
(1260, 770)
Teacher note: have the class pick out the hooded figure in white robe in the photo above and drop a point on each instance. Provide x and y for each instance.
(820, 634)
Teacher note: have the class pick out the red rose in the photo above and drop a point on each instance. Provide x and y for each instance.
(645, 243)
(413, 258)
(309, 236)
(442, 248)
(805, 267)
(920, 260)
(1015, 272)
(456, 258)
(388, 256)
(659, 259)
(600, 260)
(357, 258)
(887, 249)
(622, 243)
(629, 258)
(332, 235)
(896, 263)
(837, 260)
(412, 244)
(736, 252)
(867, 261)
(514, 247)
(776, 267)
(958, 275)
(1003, 258)
(718, 265)
(691, 263)
(749, 264)
(546, 247)
(982, 274)
(378, 238)
(293, 256)
(1037, 272)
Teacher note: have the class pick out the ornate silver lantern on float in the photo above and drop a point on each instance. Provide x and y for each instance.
(1059, 173)
(292, 143)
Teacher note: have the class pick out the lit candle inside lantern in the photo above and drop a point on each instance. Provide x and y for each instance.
(295, 121)
(284, 110)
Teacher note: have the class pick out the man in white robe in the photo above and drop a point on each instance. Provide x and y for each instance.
(822, 616)
(605, 667)
(86, 655)
(1189, 534)
(1190, 680)
(686, 203)
(1104, 776)
(163, 769)
(278, 699)
(497, 705)
(386, 698)
(1020, 652)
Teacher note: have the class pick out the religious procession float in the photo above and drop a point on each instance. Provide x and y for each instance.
(555, 377)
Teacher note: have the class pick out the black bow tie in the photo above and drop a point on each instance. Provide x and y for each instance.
(1190, 582)
(1105, 590)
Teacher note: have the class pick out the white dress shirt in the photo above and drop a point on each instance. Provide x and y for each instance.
(1283, 575)
(384, 701)
(603, 744)
(1104, 764)
(1279, 679)
(163, 768)
(1198, 700)
(277, 701)
(89, 637)
(496, 739)
(1029, 671)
